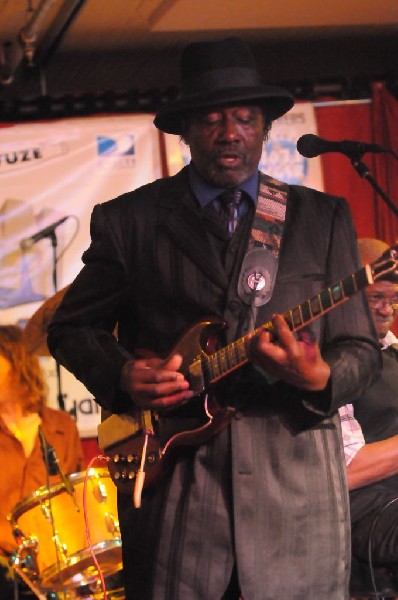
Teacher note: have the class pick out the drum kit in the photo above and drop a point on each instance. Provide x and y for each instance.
(68, 537)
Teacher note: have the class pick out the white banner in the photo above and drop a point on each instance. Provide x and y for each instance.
(62, 169)
(280, 157)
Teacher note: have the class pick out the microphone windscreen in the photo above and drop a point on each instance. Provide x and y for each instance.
(308, 145)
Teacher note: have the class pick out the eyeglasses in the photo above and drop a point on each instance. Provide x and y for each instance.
(378, 301)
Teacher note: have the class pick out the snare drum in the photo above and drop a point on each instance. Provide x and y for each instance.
(54, 521)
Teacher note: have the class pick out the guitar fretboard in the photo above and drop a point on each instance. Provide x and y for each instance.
(230, 357)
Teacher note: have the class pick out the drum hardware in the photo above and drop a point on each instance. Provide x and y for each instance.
(52, 463)
(98, 489)
(62, 549)
(23, 562)
(45, 511)
(49, 525)
(112, 524)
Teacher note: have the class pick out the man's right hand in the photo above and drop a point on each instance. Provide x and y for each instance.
(155, 383)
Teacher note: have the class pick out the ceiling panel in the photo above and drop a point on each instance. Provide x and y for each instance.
(79, 46)
(191, 15)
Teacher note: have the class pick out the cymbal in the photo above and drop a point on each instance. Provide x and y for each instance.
(35, 332)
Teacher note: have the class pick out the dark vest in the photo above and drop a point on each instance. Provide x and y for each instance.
(377, 413)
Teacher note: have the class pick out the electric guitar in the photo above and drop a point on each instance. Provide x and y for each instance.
(137, 443)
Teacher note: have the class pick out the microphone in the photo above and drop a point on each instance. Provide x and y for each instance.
(50, 458)
(310, 145)
(48, 231)
(51, 461)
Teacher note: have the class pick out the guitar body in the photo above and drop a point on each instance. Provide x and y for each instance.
(150, 440)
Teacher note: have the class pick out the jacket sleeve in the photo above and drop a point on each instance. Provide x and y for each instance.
(81, 332)
(346, 334)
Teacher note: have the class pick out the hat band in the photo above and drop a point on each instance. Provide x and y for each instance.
(232, 77)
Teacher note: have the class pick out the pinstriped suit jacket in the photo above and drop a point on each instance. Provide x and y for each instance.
(268, 493)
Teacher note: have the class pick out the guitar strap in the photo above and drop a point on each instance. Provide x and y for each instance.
(260, 264)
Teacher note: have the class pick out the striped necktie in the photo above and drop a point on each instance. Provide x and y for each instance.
(230, 200)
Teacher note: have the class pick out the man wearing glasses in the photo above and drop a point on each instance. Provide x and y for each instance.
(370, 434)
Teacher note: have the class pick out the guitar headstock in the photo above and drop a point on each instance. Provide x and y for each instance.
(386, 266)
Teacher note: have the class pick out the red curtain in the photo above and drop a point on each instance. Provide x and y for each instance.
(375, 121)
(385, 133)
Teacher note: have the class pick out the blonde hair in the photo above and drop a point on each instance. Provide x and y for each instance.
(26, 369)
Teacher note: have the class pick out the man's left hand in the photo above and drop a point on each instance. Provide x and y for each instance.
(294, 359)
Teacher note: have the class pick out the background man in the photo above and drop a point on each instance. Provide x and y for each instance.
(371, 437)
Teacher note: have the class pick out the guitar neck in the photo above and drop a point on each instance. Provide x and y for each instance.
(230, 357)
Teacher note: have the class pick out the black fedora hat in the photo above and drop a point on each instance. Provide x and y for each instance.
(217, 73)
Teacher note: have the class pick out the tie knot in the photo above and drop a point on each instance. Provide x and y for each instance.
(231, 197)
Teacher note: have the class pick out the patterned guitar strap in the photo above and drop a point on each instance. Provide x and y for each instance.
(260, 264)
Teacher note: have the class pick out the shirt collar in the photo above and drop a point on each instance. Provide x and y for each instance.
(388, 340)
(206, 193)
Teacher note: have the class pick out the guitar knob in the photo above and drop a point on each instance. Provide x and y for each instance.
(130, 458)
(116, 475)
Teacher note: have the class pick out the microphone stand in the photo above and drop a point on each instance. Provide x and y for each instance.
(363, 170)
(54, 244)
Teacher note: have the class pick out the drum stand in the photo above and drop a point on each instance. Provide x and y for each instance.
(19, 571)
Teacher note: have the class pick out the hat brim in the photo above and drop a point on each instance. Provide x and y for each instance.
(277, 102)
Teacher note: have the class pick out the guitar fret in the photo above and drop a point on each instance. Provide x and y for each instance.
(235, 349)
(226, 359)
(350, 285)
(326, 299)
(210, 368)
(223, 362)
(315, 304)
(306, 311)
(216, 366)
(297, 317)
(337, 292)
(241, 351)
(289, 319)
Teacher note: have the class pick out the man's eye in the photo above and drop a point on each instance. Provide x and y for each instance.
(210, 119)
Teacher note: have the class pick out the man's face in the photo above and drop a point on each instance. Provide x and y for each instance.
(226, 143)
(383, 301)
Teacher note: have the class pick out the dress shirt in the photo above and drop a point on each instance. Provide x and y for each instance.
(207, 193)
(353, 439)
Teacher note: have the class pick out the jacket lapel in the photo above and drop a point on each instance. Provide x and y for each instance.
(185, 224)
